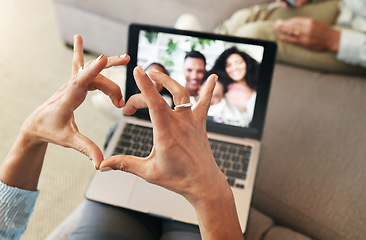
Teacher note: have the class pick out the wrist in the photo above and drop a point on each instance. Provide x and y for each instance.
(22, 166)
(29, 132)
(215, 200)
(217, 214)
(29, 140)
(213, 196)
(208, 189)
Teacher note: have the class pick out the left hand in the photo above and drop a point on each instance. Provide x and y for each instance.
(54, 120)
(309, 33)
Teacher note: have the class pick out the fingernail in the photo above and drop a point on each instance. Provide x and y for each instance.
(105, 169)
(123, 56)
(122, 103)
(80, 69)
(100, 57)
(95, 166)
(140, 70)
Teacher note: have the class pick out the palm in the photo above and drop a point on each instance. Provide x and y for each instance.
(54, 120)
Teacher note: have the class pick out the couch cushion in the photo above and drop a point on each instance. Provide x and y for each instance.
(258, 225)
(311, 176)
(281, 233)
(161, 12)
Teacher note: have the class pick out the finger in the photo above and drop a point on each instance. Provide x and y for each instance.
(290, 39)
(204, 103)
(117, 60)
(282, 26)
(158, 108)
(76, 90)
(91, 71)
(180, 93)
(87, 147)
(134, 103)
(126, 163)
(109, 88)
(287, 26)
(78, 57)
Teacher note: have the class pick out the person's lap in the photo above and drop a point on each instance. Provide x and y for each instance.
(102, 221)
(257, 22)
(326, 12)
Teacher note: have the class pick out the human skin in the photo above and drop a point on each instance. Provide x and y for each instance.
(217, 94)
(238, 92)
(194, 71)
(307, 32)
(236, 67)
(181, 159)
(53, 121)
(158, 86)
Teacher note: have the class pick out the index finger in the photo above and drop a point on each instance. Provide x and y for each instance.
(158, 108)
(118, 60)
(108, 87)
(180, 93)
(78, 58)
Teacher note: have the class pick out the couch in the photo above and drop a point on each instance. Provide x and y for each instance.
(311, 177)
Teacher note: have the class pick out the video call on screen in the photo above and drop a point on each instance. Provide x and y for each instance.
(235, 93)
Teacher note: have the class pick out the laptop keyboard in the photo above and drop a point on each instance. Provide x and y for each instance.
(135, 140)
(232, 159)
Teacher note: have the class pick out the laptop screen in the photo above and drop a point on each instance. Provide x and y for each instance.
(243, 66)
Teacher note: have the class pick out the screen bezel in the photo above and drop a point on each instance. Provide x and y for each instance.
(265, 77)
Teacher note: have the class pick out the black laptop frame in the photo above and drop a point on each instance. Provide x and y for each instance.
(255, 130)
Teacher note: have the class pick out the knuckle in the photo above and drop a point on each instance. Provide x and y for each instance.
(75, 64)
(123, 167)
(311, 23)
(73, 80)
(122, 164)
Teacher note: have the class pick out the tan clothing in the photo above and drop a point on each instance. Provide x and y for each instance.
(257, 22)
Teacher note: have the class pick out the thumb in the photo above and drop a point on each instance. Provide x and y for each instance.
(126, 163)
(87, 147)
(134, 103)
(204, 103)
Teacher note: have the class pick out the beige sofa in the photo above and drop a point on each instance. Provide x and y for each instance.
(311, 178)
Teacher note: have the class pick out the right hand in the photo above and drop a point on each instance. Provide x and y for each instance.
(309, 33)
(181, 159)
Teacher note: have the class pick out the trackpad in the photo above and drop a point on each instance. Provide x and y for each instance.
(156, 200)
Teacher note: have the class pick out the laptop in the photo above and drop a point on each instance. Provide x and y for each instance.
(236, 143)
